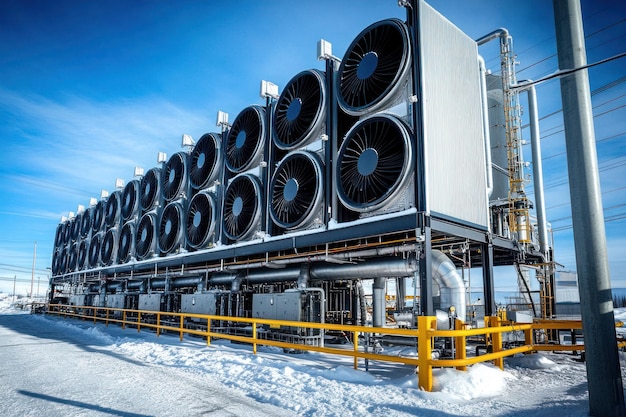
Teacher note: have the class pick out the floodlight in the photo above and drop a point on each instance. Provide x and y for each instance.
(93, 201)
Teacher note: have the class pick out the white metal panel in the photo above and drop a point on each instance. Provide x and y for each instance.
(452, 117)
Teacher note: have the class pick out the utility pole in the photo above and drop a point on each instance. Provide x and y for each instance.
(606, 395)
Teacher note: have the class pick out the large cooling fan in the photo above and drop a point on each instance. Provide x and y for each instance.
(59, 236)
(63, 261)
(149, 189)
(130, 199)
(145, 237)
(56, 261)
(76, 222)
(85, 222)
(373, 163)
(296, 190)
(94, 250)
(242, 207)
(98, 216)
(246, 138)
(201, 216)
(206, 161)
(170, 228)
(112, 210)
(67, 232)
(300, 111)
(374, 66)
(83, 252)
(108, 249)
(125, 244)
(72, 258)
(175, 176)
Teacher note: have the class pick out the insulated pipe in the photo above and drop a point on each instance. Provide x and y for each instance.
(535, 140)
(378, 302)
(382, 267)
(498, 33)
(303, 278)
(450, 282)
(486, 135)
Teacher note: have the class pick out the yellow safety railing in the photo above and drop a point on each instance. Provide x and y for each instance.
(426, 333)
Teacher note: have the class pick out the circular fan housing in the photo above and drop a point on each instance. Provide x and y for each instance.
(149, 189)
(63, 261)
(98, 216)
(175, 176)
(145, 236)
(130, 200)
(300, 111)
(200, 221)
(83, 253)
(206, 161)
(374, 67)
(59, 235)
(297, 190)
(85, 222)
(56, 261)
(126, 242)
(76, 223)
(108, 249)
(112, 210)
(245, 141)
(94, 250)
(170, 228)
(242, 207)
(373, 163)
(72, 258)
(67, 232)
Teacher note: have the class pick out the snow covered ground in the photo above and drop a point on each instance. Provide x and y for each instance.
(56, 367)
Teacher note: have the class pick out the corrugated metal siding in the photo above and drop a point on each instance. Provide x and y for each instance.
(452, 115)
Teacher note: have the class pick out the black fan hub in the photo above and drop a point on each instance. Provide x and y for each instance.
(237, 206)
(291, 189)
(201, 160)
(368, 161)
(294, 109)
(241, 139)
(367, 66)
(197, 219)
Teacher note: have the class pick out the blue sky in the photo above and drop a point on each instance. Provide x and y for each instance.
(89, 90)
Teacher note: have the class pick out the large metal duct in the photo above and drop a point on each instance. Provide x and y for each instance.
(451, 284)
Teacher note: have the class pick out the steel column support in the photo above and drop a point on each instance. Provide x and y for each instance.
(488, 285)
(606, 395)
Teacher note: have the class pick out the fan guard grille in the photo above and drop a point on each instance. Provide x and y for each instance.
(125, 244)
(98, 216)
(76, 223)
(59, 236)
(72, 258)
(149, 189)
(85, 222)
(170, 228)
(83, 252)
(373, 163)
(242, 207)
(296, 190)
(200, 219)
(174, 176)
(94, 250)
(205, 161)
(130, 200)
(300, 110)
(246, 138)
(373, 66)
(145, 236)
(109, 247)
(112, 210)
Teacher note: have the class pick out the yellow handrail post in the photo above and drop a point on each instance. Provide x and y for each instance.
(182, 321)
(425, 352)
(461, 344)
(208, 331)
(528, 336)
(254, 339)
(158, 329)
(355, 343)
(138, 321)
(106, 317)
(95, 312)
(496, 341)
